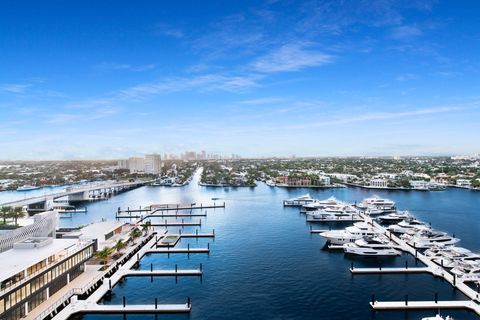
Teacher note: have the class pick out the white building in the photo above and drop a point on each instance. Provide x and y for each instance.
(419, 184)
(136, 164)
(153, 163)
(464, 183)
(378, 183)
(35, 268)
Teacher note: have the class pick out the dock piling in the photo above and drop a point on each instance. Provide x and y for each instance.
(156, 303)
(124, 302)
(406, 299)
(436, 297)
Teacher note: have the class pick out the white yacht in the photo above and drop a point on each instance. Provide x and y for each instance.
(27, 188)
(377, 202)
(372, 210)
(395, 216)
(324, 214)
(427, 238)
(450, 256)
(350, 234)
(438, 317)
(368, 246)
(331, 202)
(470, 275)
(299, 201)
(408, 226)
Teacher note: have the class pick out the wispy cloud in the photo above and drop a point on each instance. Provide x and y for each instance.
(168, 31)
(15, 88)
(406, 77)
(264, 100)
(406, 33)
(291, 57)
(126, 67)
(84, 115)
(377, 116)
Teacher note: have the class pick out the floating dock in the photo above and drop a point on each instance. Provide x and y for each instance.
(414, 305)
(389, 270)
(179, 250)
(164, 273)
(178, 224)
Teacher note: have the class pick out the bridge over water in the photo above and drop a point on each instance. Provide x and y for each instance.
(91, 192)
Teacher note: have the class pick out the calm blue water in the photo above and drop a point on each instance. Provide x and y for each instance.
(265, 264)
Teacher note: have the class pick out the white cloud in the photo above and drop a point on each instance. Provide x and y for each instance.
(376, 116)
(405, 33)
(126, 67)
(14, 88)
(291, 57)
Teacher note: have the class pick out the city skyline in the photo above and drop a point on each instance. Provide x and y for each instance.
(276, 78)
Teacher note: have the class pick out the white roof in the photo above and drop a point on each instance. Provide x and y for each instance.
(15, 260)
(99, 229)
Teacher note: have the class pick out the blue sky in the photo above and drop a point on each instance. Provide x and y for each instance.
(109, 79)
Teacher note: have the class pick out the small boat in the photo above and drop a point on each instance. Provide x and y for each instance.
(270, 183)
(370, 246)
(27, 187)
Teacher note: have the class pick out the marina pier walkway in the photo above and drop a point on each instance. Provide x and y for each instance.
(88, 307)
(411, 305)
(389, 270)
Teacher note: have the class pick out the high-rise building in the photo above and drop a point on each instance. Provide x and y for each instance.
(136, 164)
(153, 163)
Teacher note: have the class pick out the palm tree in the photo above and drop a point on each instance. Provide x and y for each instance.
(135, 233)
(104, 254)
(120, 245)
(5, 211)
(146, 226)
(17, 213)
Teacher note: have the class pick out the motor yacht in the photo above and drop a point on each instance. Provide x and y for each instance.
(299, 201)
(370, 246)
(377, 202)
(427, 238)
(408, 226)
(324, 214)
(27, 188)
(350, 234)
(438, 317)
(397, 216)
(331, 202)
(450, 256)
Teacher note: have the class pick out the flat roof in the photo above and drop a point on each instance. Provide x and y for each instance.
(14, 261)
(100, 228)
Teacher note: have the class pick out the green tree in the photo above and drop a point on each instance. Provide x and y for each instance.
(135, 233)
(120, 245)
(17, 213)
(5, 212)
(104, 254)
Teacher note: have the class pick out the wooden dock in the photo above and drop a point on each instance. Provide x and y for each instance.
(415, 305)
(389, 270)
